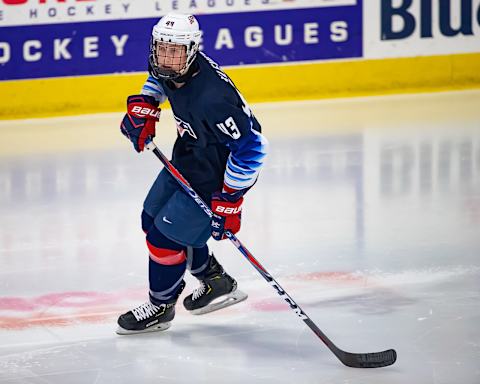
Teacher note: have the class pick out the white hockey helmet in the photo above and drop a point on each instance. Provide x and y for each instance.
(176, 29)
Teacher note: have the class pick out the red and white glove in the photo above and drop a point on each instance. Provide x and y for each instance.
(227, 213)
(138, 124)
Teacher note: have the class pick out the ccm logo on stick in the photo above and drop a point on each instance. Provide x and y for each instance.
(228, 210)
(143, 111)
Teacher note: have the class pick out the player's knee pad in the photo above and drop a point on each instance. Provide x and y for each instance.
(147, 221)
(163, 250)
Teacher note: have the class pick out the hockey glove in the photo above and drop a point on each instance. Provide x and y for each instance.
(227, 213)
(138, 123)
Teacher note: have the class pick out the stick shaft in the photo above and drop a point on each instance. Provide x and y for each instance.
(346, 358)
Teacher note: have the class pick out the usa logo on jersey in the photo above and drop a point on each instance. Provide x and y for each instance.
(183, 126)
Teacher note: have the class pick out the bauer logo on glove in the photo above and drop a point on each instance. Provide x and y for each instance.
(227, 210)
(138, 124)
(227, 213)
(141, 112)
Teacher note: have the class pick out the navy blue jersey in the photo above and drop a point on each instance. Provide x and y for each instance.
(219, 140)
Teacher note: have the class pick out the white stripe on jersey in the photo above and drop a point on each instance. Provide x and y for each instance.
(153, 88)
(244, 165)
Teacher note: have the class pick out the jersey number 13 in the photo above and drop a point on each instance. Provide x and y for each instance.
(230, 128)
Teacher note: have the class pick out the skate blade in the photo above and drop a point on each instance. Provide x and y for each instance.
(156, 328)
(232, 298)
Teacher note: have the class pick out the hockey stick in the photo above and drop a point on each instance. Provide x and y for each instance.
(355, 360)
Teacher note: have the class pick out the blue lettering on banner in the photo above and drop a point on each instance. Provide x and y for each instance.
(287, 35)
(401, 10)
(85, 48)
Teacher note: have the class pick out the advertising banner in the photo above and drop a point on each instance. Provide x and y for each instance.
(257, 32)
(409, 28)
(31, 12)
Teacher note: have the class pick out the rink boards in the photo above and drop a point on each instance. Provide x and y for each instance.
(87, 56)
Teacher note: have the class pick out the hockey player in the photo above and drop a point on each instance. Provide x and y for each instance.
(219, 150)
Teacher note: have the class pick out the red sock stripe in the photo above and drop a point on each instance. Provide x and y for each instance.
(166, 256)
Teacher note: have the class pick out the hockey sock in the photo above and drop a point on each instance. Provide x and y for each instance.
(167, 266)
(200, 262)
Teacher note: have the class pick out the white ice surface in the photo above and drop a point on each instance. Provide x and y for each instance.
(367, 213)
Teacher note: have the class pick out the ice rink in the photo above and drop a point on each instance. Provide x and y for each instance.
(367, 212)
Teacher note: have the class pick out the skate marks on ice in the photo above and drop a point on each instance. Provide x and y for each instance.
(178, 355)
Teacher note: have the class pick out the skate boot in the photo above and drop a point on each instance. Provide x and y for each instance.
(148, 317)
(217, 290)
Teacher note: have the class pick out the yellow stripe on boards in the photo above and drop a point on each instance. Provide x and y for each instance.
(343, 78)
(359, 78)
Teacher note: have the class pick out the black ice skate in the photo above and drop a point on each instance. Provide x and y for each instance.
(146, 318)
(149, 317)
(217, 290)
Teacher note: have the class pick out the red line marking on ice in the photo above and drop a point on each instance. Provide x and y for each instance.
(16, 303)
(69, 308)
(42, 319)
(329, 276)
(65, 308)
(332, 278)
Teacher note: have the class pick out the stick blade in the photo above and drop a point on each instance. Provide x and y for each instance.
(369, 360)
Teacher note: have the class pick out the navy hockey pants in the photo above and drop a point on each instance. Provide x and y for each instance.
(176, 215)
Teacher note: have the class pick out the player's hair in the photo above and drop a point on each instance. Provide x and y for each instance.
(177, 29)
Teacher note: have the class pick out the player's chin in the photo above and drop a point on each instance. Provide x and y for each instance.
(169, 71)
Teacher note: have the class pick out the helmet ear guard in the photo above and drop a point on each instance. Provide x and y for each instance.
(175, 29)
